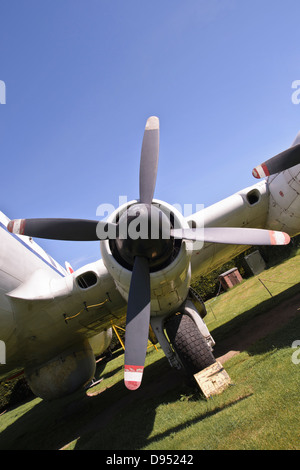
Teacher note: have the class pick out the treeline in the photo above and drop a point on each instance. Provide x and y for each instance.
(14, 392)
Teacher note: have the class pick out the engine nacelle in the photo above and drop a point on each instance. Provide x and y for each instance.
(170, 279)
(284, 207)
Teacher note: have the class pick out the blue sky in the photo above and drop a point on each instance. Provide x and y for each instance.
(82, 76)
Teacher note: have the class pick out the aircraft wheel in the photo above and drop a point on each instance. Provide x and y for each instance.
(191, 347)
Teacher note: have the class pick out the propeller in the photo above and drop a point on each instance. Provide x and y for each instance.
(233, 235)
(141, 253)
(280, 162)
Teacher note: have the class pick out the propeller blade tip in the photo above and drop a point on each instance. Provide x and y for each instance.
(260, 171)
(255, 173)
(16, 226)
(287, 239)
(152, 123)
(279, 238)
(10, 226)
(133, 377)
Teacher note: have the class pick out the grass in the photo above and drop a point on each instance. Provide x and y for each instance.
(261, 410)
(252, 297)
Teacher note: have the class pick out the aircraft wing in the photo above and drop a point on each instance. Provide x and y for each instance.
(51, 313)
(247, 208)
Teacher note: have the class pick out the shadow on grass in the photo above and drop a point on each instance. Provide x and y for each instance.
(51, 425)
(126, 432)
(116, 419)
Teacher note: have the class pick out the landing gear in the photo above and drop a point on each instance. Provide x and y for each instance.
(185, 339)
(188, 342)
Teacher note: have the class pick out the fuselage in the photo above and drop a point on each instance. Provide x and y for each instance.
(20, 257)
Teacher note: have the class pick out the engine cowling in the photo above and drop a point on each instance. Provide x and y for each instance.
(169, 259)
(284, 206)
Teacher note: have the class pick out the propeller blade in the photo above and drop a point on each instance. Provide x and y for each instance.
(280, 162)
(137, 323)
(59, 229)
(233, 236)
(149, 160)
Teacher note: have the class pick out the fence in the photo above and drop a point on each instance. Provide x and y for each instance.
(272, 287)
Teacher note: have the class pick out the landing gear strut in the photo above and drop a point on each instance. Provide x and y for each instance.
(185, 339)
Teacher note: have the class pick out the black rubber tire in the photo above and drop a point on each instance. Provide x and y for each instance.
(188, 342)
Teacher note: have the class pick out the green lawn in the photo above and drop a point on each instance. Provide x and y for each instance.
(256, 294)
(261, 410)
